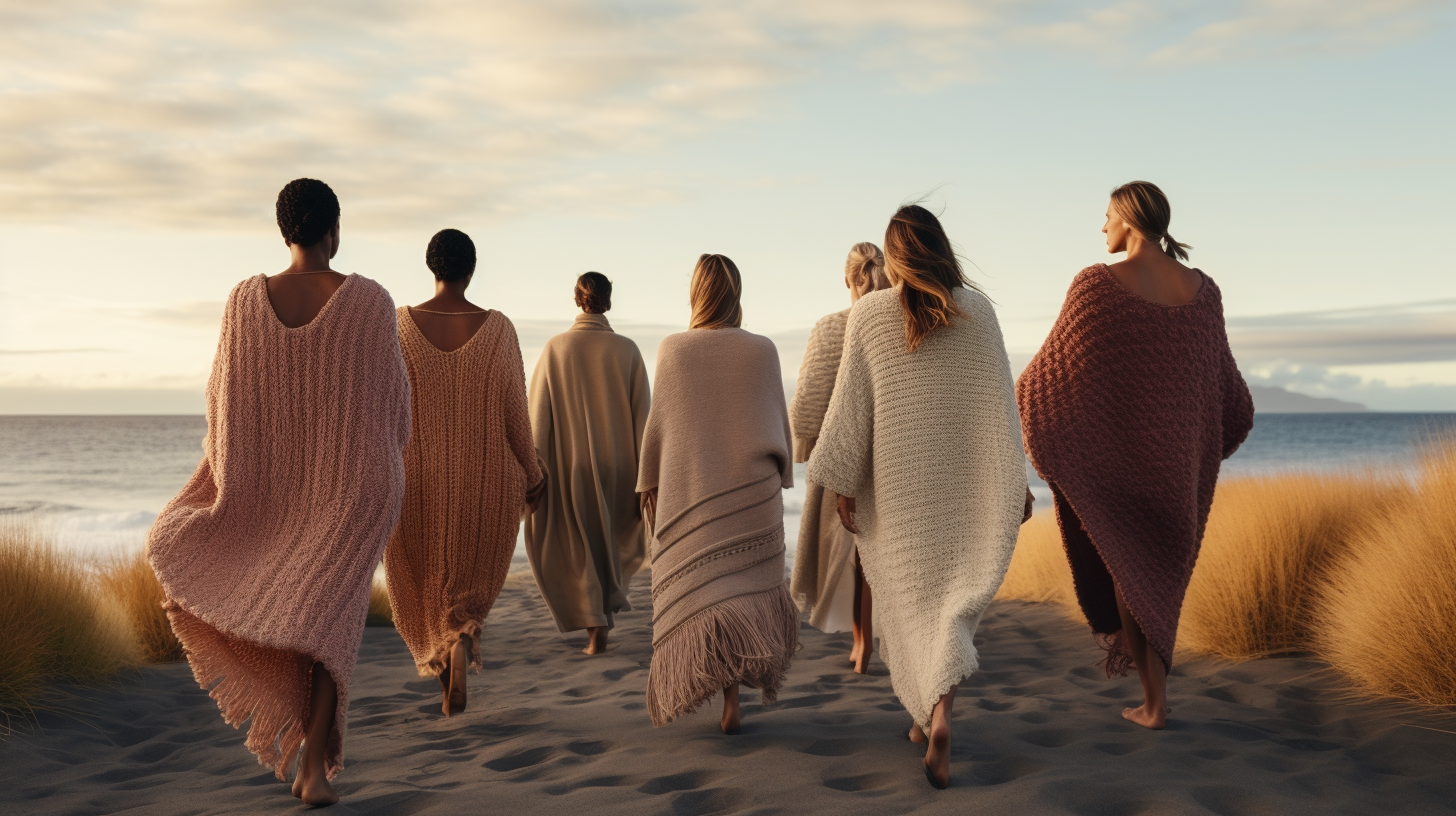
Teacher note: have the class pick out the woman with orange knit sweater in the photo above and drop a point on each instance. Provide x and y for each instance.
(470, 469)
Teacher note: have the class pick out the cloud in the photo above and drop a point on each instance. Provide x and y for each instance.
(54, 351)
(182, 115)
(1423, 332)
(195, 315)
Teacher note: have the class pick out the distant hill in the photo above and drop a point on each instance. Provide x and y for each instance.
(1269, 399)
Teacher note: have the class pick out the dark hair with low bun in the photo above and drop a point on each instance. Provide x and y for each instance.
(1144, 207)
(307, 209)
(594, 293)
(451, 255)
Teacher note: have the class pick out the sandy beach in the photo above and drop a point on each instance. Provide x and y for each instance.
(550, 730)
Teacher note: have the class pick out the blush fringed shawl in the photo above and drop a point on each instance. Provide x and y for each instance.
(1128, 409)
(468, 464)
(267, 554)
(717, 450)
(927, 443)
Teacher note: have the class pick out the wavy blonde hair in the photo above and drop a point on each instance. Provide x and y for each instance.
(920, 259)
(1144, 207)
(715, 293)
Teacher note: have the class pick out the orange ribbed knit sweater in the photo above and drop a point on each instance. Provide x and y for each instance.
(467, 468)
(267, 554)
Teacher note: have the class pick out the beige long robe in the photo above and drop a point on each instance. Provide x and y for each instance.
(589, 403)
(825, 554)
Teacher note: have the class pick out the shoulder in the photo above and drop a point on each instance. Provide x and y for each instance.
(973, 301)
(369, 293)
(830, 322)
(247, 287)
(875, 311)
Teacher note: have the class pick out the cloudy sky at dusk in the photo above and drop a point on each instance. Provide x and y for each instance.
(1308, 148)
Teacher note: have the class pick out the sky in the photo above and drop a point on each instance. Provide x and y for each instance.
(1308, 148)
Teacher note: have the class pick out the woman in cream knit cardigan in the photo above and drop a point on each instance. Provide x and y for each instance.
(923, 446)
(828, 582)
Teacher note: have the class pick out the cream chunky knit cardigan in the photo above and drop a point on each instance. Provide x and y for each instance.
(929, 444)
(825, 555)
(267, 554)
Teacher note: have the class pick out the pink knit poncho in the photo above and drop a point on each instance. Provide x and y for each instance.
(266, 556)
(1127, 410)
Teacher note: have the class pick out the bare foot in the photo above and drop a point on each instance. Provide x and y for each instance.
(862, 664)
(317, 791)
(597, 640)
(937, 756)
(1155, 718)
(731, 714)
(917, 736)
(312, 785)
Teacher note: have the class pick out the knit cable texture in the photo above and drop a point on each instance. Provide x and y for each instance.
(267, 554)
(825, 548)
(467, 467)
(928, 444)
(1128, 409)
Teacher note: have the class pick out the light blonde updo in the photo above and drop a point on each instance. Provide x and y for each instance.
(864, 269)
(1144, 207)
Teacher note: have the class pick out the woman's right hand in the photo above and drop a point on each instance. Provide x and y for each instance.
(846, 513)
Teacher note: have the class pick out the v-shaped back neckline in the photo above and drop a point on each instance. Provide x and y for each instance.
(409, 313)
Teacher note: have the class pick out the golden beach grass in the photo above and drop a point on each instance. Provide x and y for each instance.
(57, 626)
(1387, 612)
(1270, 543)
(380, 612)
(129, 580)
(1359, 569)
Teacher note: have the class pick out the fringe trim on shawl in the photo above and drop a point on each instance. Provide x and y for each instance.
(1119, 657)
(435, 663)
(750, 640)
(270, 687)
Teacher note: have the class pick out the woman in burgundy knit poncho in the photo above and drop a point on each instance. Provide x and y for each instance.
(1128, 409)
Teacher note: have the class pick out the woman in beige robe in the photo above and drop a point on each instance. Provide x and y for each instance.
(828, 582)
(589, 403)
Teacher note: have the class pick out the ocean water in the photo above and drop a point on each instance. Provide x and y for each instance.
(97, 483)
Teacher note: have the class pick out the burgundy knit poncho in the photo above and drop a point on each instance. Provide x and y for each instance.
(1128, 409)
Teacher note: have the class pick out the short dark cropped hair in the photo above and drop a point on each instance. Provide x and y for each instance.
(307, 210)
(451, 255)
(594, 293)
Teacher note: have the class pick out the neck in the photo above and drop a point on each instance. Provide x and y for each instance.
(451, 290)
(310, 258)
(1140, 247)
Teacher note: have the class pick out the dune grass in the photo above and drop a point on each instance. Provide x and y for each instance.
(129, 580)
(57, 626)
(380, 612)
(1269, 545)
(1388, 611)
(1357, 569)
